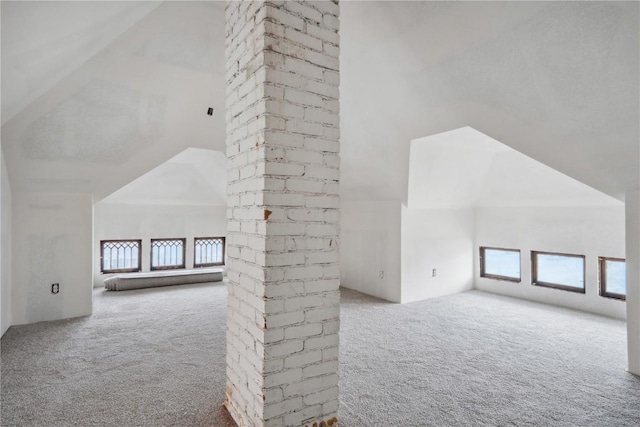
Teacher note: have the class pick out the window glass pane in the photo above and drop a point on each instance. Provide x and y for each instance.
(616, 279)
(502, 263)
(167, 253)
(209, 251)
(561, 270)
(120, 255)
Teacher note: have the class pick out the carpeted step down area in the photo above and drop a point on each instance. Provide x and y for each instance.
(124, 282)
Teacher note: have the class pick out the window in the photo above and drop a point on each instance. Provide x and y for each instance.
(120, 256)
(560, 271)
(208, 251)
(167, 254)
(501, 264)
(613, 278)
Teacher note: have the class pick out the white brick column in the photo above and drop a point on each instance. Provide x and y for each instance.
(282, 255)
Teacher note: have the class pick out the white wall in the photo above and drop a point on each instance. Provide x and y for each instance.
(140, 221)
(5, 251)
(589, 230)
(370, 248)
(440, 239)
(632, 206)
(51, 244)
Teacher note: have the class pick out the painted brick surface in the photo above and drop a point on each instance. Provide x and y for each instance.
(282, 116)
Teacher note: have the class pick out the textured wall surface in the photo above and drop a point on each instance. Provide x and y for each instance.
(440, 239)
(632, 239)
(52, 244)
(283, 211)
(5, 251)
(370, 256)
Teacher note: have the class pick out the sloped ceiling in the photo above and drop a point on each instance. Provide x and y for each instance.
(465, 168)
(43, 42)
(193, 177)
(557, 81)
(128, 108)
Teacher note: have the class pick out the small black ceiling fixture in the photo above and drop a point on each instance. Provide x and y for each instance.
(210, 111)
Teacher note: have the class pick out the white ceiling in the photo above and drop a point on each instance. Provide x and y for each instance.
(101, 93)
(126, 109)
(193, 177)
(558, 81)
(43, 42)
(465, 168)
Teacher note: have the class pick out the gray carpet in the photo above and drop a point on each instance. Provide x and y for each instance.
(477, 359)
(155, 357)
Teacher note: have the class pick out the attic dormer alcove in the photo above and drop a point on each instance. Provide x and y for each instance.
(185, 197)
(467, 190)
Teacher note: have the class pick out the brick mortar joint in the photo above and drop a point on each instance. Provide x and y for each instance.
(247, 90)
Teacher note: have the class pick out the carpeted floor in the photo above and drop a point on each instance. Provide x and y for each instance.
(155, 357)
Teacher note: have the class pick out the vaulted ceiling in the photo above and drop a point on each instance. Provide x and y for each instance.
(465, 168)
(557, 81)
(193, 177)
(95, 94)
(129, 106)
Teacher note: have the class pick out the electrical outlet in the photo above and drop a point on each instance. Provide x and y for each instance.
(55, 288)
(433, 272)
